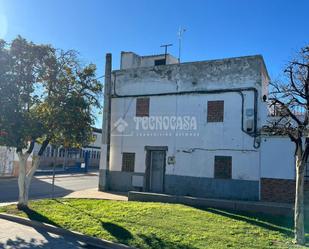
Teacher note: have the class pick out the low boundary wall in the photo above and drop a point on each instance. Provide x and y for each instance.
(247, 206)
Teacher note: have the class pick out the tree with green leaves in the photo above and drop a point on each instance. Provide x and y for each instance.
(47, 96)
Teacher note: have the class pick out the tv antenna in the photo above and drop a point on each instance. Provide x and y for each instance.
(181, 31)
(165, 52)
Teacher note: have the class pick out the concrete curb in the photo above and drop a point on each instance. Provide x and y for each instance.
(99, 243)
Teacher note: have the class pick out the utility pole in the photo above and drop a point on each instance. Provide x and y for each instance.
(166, 46)
(53, 181)
(106, 128)
(181, 31)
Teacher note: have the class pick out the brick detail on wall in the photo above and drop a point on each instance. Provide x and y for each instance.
(142, 107)
(280, 190)
(215, 111)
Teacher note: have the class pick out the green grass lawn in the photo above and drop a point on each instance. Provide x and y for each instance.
(157, 225)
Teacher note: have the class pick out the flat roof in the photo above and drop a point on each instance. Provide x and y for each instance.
(256, 56)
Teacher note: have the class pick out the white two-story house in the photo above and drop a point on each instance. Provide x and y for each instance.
(187, 128)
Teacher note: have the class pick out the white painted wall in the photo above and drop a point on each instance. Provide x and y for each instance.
(277, 158)
(9, 161)
(98, 139)
(224, 138)
(7, 157)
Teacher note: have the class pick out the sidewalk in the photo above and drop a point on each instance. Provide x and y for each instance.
(92, 193)
(95, 194)
(14, 236)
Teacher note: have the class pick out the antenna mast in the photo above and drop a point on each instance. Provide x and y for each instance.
(181, 31)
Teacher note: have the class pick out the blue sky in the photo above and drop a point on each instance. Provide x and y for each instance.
(215, 28)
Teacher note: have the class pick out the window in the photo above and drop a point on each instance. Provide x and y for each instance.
(160, 62)
(142, 107)
(128, 160)
(215, 111)
(223, 167)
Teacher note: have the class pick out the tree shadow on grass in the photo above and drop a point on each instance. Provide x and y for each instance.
(282, 224)
(155, 242)
(279, 223)
(34, 215)
(121, 234)
(124, 236)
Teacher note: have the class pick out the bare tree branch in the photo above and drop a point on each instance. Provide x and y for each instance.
(283, 105)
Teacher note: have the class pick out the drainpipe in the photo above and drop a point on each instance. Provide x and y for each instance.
(253, 134)
(106, 127)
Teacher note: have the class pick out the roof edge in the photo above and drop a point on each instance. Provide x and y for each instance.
(257, 56)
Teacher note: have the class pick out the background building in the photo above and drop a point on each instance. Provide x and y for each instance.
(9, 162)
(63, 159)
(68, 158)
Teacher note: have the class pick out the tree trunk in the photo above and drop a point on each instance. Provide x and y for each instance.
(22, 182)
(299, 201)
(24, 178)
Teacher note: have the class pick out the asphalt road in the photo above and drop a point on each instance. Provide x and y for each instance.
(41, 186)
